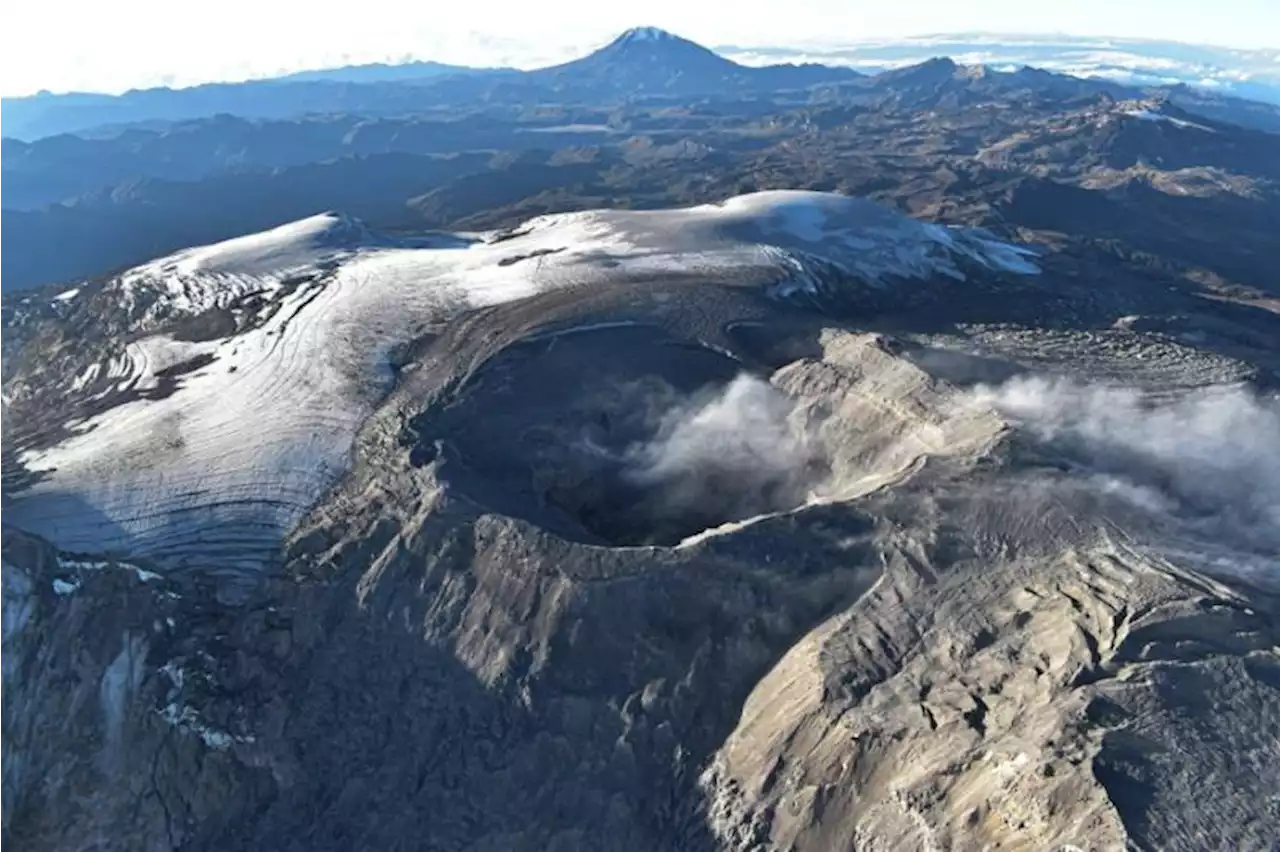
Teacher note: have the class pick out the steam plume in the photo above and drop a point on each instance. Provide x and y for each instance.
(1210, 459)
(731, 454)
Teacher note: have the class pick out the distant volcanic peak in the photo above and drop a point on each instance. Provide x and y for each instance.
(650, 58)
(654, 41)
(653, 60)
(646, 35)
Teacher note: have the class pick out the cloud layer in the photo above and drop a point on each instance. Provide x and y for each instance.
(1246, 73)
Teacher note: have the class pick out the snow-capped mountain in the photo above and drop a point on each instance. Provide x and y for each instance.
(570, 534)
(648, 60)
(605, 495)
(203, 450)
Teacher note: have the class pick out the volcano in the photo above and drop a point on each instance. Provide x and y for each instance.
(650, 61)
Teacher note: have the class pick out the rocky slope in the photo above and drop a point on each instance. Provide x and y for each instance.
(787, 524)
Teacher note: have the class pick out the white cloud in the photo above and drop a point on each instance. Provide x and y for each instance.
(1251, 73)
(128, 43)
(1210, 461)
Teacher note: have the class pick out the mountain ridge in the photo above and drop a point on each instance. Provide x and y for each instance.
(631, 543)
(1133, 63)
(884, 464)
(653, 60)
(81, 207)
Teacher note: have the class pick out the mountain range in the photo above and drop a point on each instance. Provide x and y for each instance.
(174, 173)
(641, 62)
(1243, 73)
(646, 453)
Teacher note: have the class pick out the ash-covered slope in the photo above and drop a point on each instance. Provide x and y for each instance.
(693, 529)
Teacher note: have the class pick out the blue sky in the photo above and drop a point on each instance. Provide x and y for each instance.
(111, 46)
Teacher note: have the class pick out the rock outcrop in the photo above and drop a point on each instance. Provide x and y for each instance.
(951, 645)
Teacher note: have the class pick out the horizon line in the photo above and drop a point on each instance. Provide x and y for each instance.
(1009, 39)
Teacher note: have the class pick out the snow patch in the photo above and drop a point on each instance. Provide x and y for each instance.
(1152, 115)
(644, 34)
(62, 588)
(141, 574)
(199, 279)
(869, 240)
(187, 718)
(86, 377)
(294, 245)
